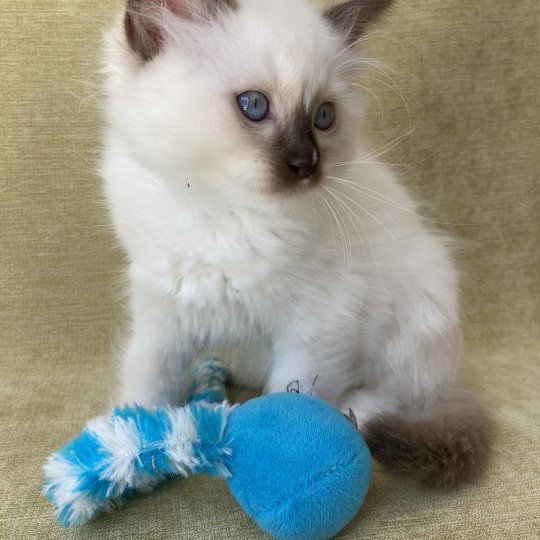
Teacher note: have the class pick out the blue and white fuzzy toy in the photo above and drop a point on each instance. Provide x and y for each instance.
(296, 465)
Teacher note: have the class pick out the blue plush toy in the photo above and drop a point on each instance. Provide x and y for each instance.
(296, 465)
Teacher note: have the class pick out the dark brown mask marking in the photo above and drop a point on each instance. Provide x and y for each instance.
(294, 152)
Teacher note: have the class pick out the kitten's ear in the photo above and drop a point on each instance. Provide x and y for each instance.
(142, 20)
(353, 17)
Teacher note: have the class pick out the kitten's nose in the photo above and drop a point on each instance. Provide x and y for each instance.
(305, 164)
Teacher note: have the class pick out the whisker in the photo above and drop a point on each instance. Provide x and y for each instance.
(348, 214)
(375, 218)
(392, 67)
(314, 214)
(340, 233)
(382, 150)
(396, 164)
(394, 88)
(323, 206)
(361, 39)
(369, 242)
(349, 251)
(390, 217)
(358, 187)
(387, 200)
(374, 95)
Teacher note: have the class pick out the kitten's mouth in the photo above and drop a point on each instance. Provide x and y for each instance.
(285, 187)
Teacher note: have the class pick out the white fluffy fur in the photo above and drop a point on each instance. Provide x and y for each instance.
(356, 290)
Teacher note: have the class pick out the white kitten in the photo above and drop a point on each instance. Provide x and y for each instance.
(234, 180)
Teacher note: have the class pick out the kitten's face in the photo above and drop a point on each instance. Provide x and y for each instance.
(243, 97)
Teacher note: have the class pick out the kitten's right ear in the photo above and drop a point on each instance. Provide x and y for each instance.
(142, 20)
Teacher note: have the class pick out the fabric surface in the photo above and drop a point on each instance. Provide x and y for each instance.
(466, 72)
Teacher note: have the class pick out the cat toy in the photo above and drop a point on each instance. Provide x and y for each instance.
(298, 466)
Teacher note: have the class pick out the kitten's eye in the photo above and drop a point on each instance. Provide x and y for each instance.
(325, 116)
(254, 105)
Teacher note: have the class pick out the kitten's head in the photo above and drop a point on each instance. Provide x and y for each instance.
(229, 98)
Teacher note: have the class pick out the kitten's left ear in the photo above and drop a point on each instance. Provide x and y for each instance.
(353, 17)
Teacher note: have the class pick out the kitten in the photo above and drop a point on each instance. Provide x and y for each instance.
(236, 185)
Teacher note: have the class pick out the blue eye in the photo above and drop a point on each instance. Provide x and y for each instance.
(325, 116)
(254, 105)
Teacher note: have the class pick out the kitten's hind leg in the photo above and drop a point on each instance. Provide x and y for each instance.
(443, 440)
(366, 405)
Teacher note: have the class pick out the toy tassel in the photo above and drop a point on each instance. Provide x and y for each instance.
(134, 449)
(209, 379)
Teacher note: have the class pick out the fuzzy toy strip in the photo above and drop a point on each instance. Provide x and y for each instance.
(133, 450)
(209, 379)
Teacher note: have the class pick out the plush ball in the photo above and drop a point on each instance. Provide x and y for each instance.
(300, 469)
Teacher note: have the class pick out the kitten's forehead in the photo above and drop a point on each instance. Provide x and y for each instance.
(284, 48)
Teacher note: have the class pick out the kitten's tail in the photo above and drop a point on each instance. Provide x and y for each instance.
(443, 442)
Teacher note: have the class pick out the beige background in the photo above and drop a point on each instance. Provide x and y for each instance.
(469, 74)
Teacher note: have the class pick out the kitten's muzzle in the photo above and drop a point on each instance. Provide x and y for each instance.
(296, 157)
(304, 163)
(304, 166)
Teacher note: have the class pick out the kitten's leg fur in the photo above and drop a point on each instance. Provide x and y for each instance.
(291, 366)
(367, 404)
(155, 364)
(420, 421)
(249, 365)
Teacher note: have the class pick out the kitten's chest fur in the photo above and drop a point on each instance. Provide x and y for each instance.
(229, 272)
(218, 268)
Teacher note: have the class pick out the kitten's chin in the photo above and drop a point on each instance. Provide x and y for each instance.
(281, 188)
